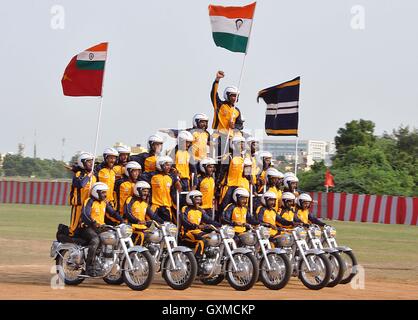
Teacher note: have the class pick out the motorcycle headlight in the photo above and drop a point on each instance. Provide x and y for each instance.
(265, 232)
(248, 238)
(213, 239)
(332, 232)
(229, 232)
(125, 230)
(171, 229)
(301, 233)
(154, 236)
(285, 240)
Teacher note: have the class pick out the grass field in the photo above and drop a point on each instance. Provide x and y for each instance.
(387, 252)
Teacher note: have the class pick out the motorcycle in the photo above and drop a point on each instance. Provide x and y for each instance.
(116, 258)
(274, 264)
(312, 266)
(221, 257)
(337, 264)
(349, 259)
(177, 263)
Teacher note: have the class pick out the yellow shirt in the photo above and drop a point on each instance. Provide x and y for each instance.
(235, 171)
(150, 164)
(182, 163)
(224, 114)
(288, 215)
(303, 215)
(119, 171)
(199, 144)
(138, 209)
(126, 190)
(108, 177)
(278, 194)
(98, 211)
(161, 185)
(269, 216)
(207, 188)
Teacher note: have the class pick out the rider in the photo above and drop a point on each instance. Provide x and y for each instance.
(274, 180)
(236, 214)
(93, 218)
(287, 211)
(303, 204)
(163, 185)
(183, 163)
(192, 217)
(230, 174)
(227, 117)
(124, 187)
(264, 161)
(80, 188)
(105, 174)
(138, 211)
(147, 160)
(206, 184)
(123, 159)
(290, 183)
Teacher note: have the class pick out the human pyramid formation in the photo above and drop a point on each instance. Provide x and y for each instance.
(239, 187)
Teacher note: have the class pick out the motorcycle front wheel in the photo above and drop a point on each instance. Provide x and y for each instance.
(114, 279)
(143, 271)
(320, 273)
(214, 281)
(65, 271)
(183, 274)
(246, 274)
(337, 269)
(280, 272)
(350, 263)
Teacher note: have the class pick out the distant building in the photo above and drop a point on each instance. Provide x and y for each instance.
(309, 151)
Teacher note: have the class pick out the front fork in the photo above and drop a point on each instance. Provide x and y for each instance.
(170, 243)
(228, 243)
(123, 242)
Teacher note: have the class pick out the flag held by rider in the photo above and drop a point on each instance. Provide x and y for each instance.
(83, 76)
(231, 26)
(282, 113)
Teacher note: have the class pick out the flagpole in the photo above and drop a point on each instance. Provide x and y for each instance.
(296, 155)
(240, 77)
(99, 116)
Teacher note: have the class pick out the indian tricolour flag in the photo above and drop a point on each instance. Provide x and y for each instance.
(84, 74)
(231, 26)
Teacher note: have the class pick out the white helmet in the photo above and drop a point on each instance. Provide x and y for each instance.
(155, 138)
(83, 157)
(289, 179)
(251, 139)
(304, 197)
(162, 160)
(268, 195)
(110, 152)
(198, 117)
(123, 149)
(273, 172)
(204, 162)
(235, 140)
(185, 136)
(141, 185)
(191, 195)
(98, 186)
(261, 155)
(288, 196)
(288, 174)
(240, 192)
(229, 90)
(132, 165)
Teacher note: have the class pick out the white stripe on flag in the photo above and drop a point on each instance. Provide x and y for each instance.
(409, 210)
(370, 212)
(383, 209)
(283, 105)
(92, 56)
(360, 205)
(281, 111)
(233, 26)
(336, 211)
(348, 203)
(394, 210)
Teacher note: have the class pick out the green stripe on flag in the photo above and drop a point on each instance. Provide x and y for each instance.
(90, 65)
(230, 41)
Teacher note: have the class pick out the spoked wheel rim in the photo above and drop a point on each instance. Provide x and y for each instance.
(245, 270)
(318, 270)
(278, 266)
(140, 272)
(348, 265)
(335, 267)
(67, 271)
(183, 271)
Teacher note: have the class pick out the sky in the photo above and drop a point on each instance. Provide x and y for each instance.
(354, 62)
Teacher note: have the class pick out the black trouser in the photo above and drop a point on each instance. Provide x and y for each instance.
(90, 235)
